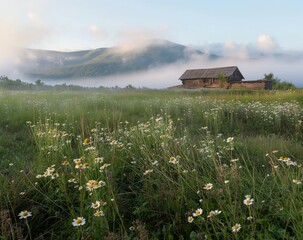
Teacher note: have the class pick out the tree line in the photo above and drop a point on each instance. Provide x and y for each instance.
(278, 84)
(17, 84)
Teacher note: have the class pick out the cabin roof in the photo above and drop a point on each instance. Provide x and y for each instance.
(209, 73)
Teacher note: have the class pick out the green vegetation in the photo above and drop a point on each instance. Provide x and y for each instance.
(10, 84)
(223, 79)
(278, 84)
(151, 164)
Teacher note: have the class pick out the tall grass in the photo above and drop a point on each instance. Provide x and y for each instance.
(152, 164)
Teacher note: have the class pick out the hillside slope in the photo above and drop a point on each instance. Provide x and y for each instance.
(100, 62)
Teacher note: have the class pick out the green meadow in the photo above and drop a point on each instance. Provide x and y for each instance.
(151, 164)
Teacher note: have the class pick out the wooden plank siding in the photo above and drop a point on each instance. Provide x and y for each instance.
(253, 85)
(201, 83)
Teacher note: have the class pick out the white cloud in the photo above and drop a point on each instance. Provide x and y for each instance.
(235, 50)
(138, 39)
(15, 36)
(98, 32)
(266, 43)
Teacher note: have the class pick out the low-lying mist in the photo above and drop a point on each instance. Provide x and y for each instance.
(167, 76)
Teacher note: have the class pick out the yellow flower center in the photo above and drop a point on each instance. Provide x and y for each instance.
(79, 220)
(86, 141)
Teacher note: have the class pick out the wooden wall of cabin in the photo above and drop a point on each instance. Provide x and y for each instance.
(216, 83)
(202, 83)
(249, 85)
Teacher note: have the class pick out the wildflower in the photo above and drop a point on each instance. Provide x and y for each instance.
(102, 203)
(65, 163)
(93, 184)
(49, 172)
(230, 139)
(198, 212)
(64, 134)
(86, 141)
(296, 181)
(287, 161)
(132, 228)
(213, 213)
(236, 228)
(99, 159)
(234, 160)
(99, 213)
(24, 214)
(208, 186)
(291, 163)
(148, 171)
(249, 218)
(248, 200)
(78, 163)
(155, 163)
(226, 181)
(173, 160)
(55, 175)
(78, 221)
(72, 180)
(85, 165)
(90, 149)
(95, 205)
(105, 165)
(190, 219)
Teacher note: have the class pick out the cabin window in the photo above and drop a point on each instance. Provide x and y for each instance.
(211, 81)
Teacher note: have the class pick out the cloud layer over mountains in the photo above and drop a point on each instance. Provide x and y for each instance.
(143, 62)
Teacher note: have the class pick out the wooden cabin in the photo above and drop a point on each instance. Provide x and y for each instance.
(209, 78)
(222, 77)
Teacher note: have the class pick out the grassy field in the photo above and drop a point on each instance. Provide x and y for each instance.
(151, 164)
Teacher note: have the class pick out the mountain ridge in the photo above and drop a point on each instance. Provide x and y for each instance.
(100, 62)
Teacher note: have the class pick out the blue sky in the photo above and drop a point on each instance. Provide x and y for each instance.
(83, 24)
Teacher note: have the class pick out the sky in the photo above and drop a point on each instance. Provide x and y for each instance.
(68, 25)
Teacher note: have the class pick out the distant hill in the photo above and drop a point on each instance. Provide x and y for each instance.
(43, 64)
